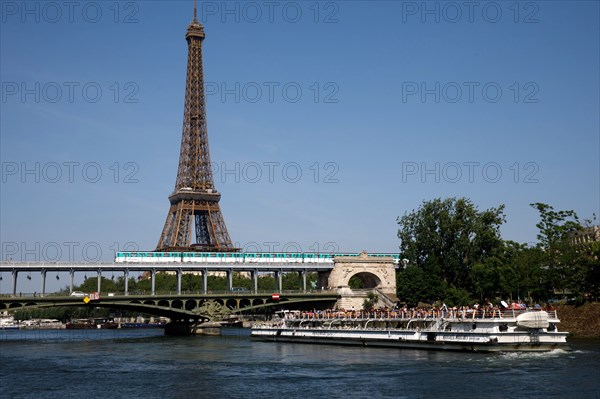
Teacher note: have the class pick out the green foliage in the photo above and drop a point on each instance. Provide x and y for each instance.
(570, 266)
(63, 314)
(589, 261)
(267, 283)
(522, 273)
(415, 285)
(356, 283)
(456, 254)
(216, 283)
(555, 227)
(445, 239)
(291, 281)
(371, 301)
(457, 297)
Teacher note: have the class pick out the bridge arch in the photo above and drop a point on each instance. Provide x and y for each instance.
(366, 279)
(232, 303)
(163, 303)
(191, 304)
(177, 304)
(245, 302)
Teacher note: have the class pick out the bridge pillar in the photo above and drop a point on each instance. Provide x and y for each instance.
(303, 276)
(322, 280)
(279, 276)
(71, 280)
(255, 280)
(126, 277)
(229, 280)
(205, 281)
(179, 281)
(153, 273)
(14, 282)
(43, 282)
(99, 280)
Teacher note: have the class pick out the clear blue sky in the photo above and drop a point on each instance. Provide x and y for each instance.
(399, 103)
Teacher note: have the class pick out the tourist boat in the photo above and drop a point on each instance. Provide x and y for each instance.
(88, 324)
(8, 323)
(81, 324)
(479, 330)
(42, 324)
(143, 325)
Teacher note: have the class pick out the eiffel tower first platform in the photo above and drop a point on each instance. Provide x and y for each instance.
(195, 221)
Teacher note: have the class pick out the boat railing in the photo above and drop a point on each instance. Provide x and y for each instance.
(418, 314)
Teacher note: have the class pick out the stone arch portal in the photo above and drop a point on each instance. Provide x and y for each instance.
(376, 272)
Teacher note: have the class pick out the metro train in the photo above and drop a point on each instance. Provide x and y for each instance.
(236, 257)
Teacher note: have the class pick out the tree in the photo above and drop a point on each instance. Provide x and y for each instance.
(590, 262)
(555, 227)
(445, 239)
(564, 261)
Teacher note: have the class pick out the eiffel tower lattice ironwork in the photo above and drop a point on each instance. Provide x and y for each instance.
(195, 207)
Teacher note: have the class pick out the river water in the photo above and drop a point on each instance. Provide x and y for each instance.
(146, 364)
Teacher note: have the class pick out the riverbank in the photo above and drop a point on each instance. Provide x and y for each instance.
(581, 321)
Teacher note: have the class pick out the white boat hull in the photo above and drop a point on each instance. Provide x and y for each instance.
(461, 341)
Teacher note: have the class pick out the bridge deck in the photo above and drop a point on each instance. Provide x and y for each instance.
(185, 267)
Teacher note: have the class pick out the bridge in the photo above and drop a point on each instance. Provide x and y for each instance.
(376, 272)
(200, 268)
(189, 307)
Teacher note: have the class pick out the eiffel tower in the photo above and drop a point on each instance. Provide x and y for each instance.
(194, 221)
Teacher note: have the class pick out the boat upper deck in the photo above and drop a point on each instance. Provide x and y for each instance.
(481, 314)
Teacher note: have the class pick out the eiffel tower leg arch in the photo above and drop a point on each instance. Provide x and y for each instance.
(197, 226)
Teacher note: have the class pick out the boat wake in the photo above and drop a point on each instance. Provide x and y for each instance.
(535, 355)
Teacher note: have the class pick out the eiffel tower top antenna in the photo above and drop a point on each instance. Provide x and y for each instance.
(195, 13)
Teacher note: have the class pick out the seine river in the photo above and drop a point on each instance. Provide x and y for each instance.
(146, 364)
